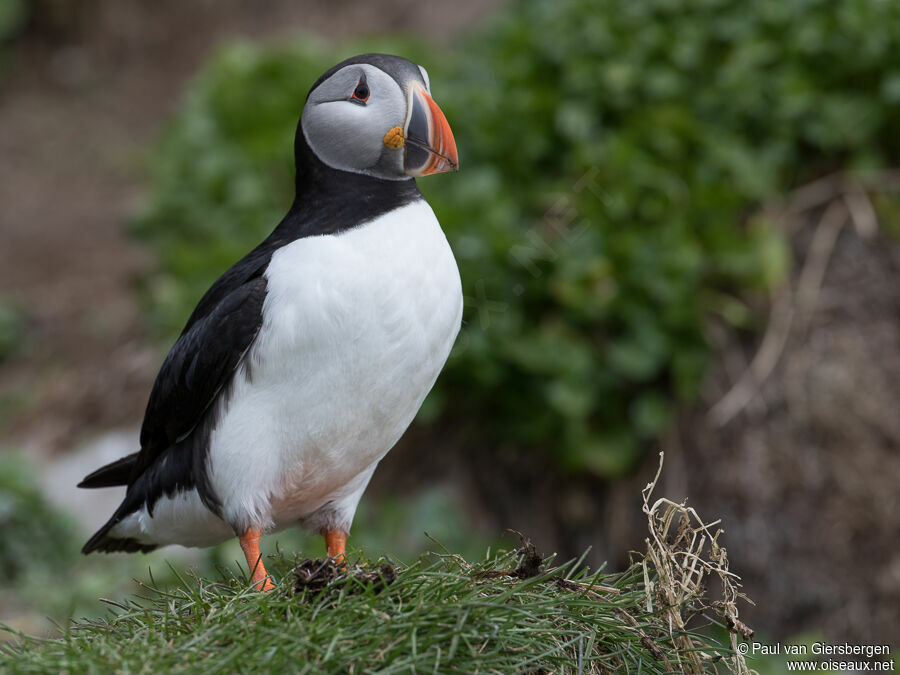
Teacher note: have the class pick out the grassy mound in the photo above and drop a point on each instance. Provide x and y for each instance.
(512, 612)
(439, 614)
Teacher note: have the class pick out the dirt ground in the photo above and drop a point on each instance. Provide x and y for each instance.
(88, 87)
(806, 475)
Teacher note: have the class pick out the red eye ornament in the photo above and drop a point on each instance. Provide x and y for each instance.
(361, 93)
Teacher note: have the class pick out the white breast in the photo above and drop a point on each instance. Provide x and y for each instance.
(356, 328)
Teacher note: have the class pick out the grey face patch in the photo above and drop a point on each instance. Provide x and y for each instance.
(348, 135)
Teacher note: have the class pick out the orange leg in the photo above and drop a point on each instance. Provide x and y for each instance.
(335, 544)
(250, 545)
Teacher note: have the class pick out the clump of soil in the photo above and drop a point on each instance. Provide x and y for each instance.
(316, 575)
(529, 566)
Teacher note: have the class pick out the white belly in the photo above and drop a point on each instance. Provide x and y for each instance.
(356, 328)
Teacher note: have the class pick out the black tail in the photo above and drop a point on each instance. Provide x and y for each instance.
(104, 543)
(117, 473)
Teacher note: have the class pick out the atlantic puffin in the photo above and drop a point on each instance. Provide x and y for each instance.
(302, 366)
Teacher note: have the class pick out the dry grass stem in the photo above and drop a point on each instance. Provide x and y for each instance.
(683, 552)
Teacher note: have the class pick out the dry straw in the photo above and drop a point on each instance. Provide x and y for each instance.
(683, 552)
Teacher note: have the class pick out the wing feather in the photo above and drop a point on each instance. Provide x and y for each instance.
(202, 362)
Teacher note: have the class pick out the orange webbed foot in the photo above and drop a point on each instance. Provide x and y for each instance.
(336, 544)
(259, 577)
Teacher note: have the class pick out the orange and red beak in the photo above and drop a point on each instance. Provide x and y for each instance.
(429, 147)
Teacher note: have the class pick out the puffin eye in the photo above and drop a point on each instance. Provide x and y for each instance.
(361, 93)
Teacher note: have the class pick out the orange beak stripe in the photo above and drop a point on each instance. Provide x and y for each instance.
(443, 145)
(429, 132)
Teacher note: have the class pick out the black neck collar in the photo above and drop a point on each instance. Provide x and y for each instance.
(329, 201)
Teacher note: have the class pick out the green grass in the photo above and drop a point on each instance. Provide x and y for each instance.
(510, 612)
(441, 614)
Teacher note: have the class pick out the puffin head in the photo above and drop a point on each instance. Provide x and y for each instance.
(373, 115)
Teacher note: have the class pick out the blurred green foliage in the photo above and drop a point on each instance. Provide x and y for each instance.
(34, 534)
(41, 572)
(12, 330)
(12, 16)
(611, 154)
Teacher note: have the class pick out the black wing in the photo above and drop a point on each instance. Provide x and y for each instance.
(197, 370)
(200, 365)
